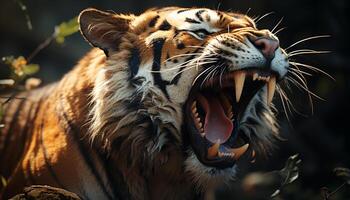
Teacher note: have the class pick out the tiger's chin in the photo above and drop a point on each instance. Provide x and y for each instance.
(214, 112)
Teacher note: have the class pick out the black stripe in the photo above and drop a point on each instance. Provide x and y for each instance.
(28, 133)
(199, 16)
(119, 186)
(7, 108)
(153, 21)
(193, 21)
(134, 62)
(28, 175)
(46, 159)
(165, 26)
(183, 10)
(24, 133)
(12, 125)
(157, 54)
(221, 16)
(83, 151)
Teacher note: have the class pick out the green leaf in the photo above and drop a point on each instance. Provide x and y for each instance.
(66, 29)
(31, 69)
(60, 40)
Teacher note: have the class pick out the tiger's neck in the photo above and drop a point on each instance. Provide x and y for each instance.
(137, 178)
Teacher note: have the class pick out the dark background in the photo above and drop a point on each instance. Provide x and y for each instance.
(322, 139)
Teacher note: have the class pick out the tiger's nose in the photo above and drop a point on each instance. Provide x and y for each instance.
(267, 46)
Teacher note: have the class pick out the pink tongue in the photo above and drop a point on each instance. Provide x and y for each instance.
(217, 126)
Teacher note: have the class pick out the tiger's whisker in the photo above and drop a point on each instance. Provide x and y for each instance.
(262, 17)
(221, 73)
(304, 50)
(307, 39)
(278, 23)
(312, 68)
(300, 71)
(209, 75)
(204, 71)
(308, 52)
(279, 30)
(284, 94)
(188, 68)
(183, 64)
(181, 55)
(283, 105)
(309, 93)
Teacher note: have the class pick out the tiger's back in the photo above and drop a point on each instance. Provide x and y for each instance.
(20, 113)
(40, 145)
(20, 120)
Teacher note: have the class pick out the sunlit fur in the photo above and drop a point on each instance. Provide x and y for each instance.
(132, 118)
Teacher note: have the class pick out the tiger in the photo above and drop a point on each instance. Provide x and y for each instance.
(166, 105)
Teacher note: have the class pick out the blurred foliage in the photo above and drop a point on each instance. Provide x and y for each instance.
(1, 114)
(343, 173)
(66, 29)
(3, 181)
(23, 7)
(20, 68)
(259, 185)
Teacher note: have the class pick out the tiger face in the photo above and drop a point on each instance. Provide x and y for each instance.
(205, 79)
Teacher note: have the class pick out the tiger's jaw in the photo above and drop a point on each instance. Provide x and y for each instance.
(214, 111)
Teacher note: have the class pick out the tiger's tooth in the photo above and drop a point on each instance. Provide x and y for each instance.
(232, 155)
(239, 83)
(194, 104)
(198, 123)
(202, 133)
(253, 157)
(220, 154)
(253, 153)
(230, 115)
(271, 87)
(255, 76)
(239, 151)
(213, 150)
(194, 111)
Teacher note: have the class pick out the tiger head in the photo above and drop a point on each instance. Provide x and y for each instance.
(194, 81)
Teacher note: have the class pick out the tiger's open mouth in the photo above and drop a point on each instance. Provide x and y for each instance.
(214, 110)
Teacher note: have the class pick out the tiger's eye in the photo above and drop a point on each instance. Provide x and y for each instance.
(201, 34)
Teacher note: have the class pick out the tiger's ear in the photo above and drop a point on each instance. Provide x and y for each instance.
(102, 29)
